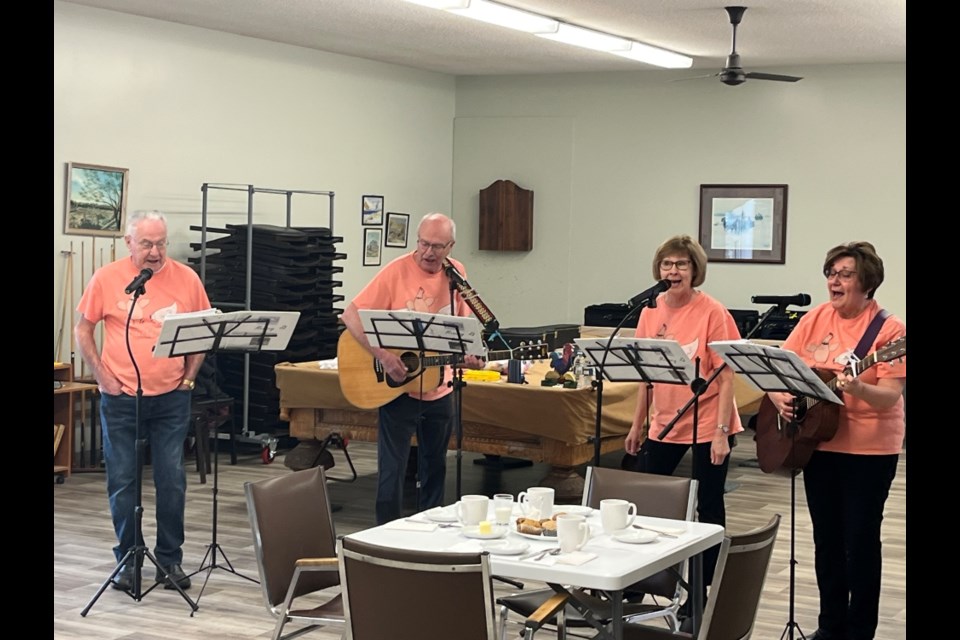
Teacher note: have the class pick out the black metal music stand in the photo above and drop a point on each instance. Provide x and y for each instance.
(244, 331)
(771, 369)
(453, 337)
(139, 550)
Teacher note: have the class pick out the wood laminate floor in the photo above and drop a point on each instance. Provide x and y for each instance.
(232, 606)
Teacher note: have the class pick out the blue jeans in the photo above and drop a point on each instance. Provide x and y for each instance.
(164, 421)
(432, 422)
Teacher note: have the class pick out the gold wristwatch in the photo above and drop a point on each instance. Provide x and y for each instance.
(190, 383)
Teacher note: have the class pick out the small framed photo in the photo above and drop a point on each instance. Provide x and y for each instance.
(96, 200)
(744, 222)
(371, 247)
(398, 224)
(372, 210)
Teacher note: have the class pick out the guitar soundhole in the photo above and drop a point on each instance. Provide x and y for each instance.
(410, 361)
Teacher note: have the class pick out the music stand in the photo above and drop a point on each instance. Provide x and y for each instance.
(649, 360)
(454, 336)
(213, 332)
(771, 369)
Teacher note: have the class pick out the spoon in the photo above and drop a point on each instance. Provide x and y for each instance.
(662, 533)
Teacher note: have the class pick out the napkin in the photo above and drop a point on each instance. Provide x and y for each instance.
(410, 525)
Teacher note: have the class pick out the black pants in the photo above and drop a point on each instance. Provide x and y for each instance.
(845, 495)
(662, 459)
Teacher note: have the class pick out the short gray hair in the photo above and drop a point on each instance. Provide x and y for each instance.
(439, 216)
(139, 216)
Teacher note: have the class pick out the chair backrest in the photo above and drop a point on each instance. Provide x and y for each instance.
(655, 495)
(290, 518)
(398, 593)
(738, 582)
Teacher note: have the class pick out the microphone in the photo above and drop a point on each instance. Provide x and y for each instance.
(455, 275)
(139, 281)
(650, 295)
(800, 300)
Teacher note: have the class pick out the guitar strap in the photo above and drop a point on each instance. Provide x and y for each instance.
(870, 335)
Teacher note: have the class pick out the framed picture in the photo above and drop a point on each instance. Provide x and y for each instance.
(744, 222)
(397, 226)
(96, 200)
(371, 247)
(372, 210)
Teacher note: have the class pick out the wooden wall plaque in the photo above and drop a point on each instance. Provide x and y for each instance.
(506, 217)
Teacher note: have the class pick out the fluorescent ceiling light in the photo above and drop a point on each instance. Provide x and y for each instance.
(504, 16)
(587, 38)
(655, 56)
(544, 27)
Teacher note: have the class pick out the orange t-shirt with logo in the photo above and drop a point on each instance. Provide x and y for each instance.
(403, 286)
(696, 324)
(824, 340)
(175, 288)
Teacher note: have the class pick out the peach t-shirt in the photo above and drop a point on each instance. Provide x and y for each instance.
(403, 286)
(824, 340)
(694, 325)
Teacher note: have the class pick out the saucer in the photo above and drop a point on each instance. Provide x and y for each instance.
(473, 531)
(441, 514)
(573, 509)
(635, 536)
(505, 547)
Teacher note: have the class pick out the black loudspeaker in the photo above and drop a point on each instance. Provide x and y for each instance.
(608, 314)
(778, 326)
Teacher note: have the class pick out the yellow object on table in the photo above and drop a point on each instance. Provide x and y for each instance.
(481, 375)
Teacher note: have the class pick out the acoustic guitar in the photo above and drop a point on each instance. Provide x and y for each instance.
(789, 445)
(366, 385)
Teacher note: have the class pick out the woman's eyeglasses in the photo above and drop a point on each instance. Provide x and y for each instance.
(844, 275)
(681, 265)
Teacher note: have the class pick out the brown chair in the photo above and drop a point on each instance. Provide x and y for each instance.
(655, 495)
(735, 596)
(295, 544)
(399, 593)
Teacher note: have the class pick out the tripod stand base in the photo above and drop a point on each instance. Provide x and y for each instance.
(135, 557)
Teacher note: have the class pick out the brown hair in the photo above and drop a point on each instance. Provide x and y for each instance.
(869, 264)
(680, 245)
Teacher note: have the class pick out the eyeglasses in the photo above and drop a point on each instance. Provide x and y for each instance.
(437, 247)
(146, 245)
(681, 265)
(845, 275)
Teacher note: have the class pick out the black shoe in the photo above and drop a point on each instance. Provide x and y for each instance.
(176, 574)
(123, 581)
(820, 634)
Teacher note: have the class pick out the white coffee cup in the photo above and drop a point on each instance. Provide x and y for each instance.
(472, 509)
(537, 502)
(572, 532)
(503, 508)
(616, 514)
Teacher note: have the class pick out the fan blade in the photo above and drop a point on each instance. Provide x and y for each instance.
(709, 75)
(753, 75)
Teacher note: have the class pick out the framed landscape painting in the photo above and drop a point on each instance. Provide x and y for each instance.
(96, 200)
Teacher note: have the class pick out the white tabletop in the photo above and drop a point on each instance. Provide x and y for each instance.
(616, 566)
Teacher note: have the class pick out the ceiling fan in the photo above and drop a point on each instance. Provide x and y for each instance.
(733, 74)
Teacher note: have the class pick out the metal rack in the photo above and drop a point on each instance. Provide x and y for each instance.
(246, 434)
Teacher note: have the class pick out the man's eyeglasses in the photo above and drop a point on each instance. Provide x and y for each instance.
(845, 275)
(146, 245)
(681, 265)
(437, 247)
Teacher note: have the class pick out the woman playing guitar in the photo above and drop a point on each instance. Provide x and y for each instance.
(848, 477)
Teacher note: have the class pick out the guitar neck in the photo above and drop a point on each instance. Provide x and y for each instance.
(854, 369)
(456, 358)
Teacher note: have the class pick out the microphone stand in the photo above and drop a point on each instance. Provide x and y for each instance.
(457, 383)
(635, 309)
(139, 550)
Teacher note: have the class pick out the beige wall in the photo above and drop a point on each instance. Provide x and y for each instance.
(615, 160)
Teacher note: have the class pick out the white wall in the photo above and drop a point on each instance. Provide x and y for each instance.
(616, 161)
(181, 106)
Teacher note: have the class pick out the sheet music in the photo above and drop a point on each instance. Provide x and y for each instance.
(770, 368)
(212, 330)
(440, 333)
(639, 359)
